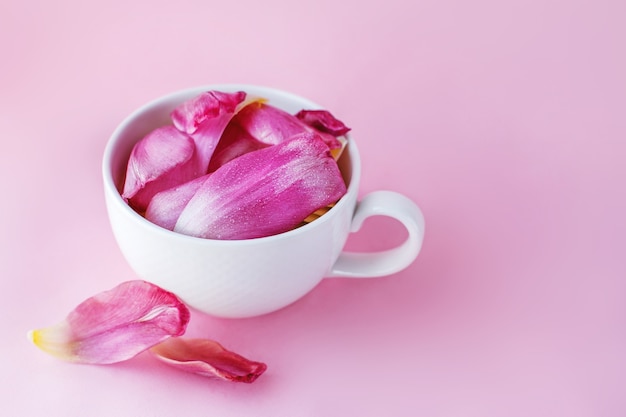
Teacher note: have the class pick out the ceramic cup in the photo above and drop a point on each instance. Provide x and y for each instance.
(243, 278)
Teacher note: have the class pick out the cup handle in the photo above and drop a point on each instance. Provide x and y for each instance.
(387, 262)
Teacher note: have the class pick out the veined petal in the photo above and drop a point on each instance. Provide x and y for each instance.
(115, 325)
(268, 124)
(258, 125)
(235, 141)
(165, 207)
(162, 159)
(207, 358)
(271, 125)
(323, 121)
(188, 116)
(264, 192)
(205, 117)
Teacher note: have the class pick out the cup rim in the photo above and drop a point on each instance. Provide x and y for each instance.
(110, 187)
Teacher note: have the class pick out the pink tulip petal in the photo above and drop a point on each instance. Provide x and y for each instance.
(162, 159)
(268, 124)
(264, 192)
(258, 125)
(207, 358)
(165, 207)
(115, 325)
(323, 121)
(205, 117)
(188, 116)
(272, 125)
(235, 142)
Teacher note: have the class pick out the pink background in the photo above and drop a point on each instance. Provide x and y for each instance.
(504, 120)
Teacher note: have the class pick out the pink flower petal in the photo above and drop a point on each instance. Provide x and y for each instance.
(207, 358)
(115, 325)
(205, 117)
(235, 142)
(271, 125)
(188, 116)
(323, 121)
(165, 207)
(264, 192)
(268, 124)
(258, 125)
(162, 159)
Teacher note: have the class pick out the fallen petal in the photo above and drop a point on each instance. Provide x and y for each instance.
(323, 121)
(162, 159)
(115, 325)
(207, 358)
(165, 207)
(264, 192)
(205, 117)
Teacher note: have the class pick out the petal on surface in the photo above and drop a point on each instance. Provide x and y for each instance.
(205, 117)
(165, 207)
(323, 121)
(207, 358)
(264, 192)
(162, 159)
(115, 325)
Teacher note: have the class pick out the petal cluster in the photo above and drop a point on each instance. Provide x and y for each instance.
(265, 192)
(234, 167)
(133, 317)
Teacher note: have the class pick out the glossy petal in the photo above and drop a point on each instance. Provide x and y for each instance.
(188, 116)
(259, 125)
(165, 207)
(115, 325)
(162, 159)
(264, 192)
(205, 117)
(235, 142)
(272, 126)
(207, 358)
(323, 121)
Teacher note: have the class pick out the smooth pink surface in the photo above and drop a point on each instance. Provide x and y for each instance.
(505, 121)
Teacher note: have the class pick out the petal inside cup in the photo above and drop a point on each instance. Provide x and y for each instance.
(265, 192)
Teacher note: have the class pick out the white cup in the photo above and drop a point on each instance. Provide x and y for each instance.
(243, 278)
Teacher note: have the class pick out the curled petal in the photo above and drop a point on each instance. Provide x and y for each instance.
(264, 192)
(207, 358)
(268, 124)
(323, 121)
(188, 116)
(165, 207)
(205, 117)
(271, 125)
(235, 142)
(162, 159)
(115, 325)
